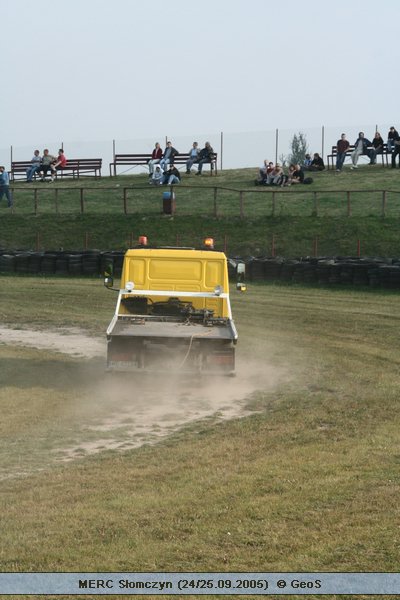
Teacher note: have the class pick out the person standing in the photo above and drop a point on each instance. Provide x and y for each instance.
(342, 147)
(5, 187)
(36, 161)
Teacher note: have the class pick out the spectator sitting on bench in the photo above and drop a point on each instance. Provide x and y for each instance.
(172, 176)
(36, 161)
(193, 157)
(377, 147)
(206, 155)
(342, 147)
(391, 137)
(59, 163)
(156, 156)
(317, 163)
(360, 147)
(168, 157)
(47, 162)
(396, 152)
(157, 177)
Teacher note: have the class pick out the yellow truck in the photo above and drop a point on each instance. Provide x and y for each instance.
(173, 313)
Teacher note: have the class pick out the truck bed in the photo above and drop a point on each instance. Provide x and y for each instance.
(151, 328)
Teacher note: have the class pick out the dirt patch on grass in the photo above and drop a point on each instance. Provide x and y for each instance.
(68, 340)
(120, 411)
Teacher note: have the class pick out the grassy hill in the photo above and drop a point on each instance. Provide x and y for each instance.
(110, 213)
(308, 481)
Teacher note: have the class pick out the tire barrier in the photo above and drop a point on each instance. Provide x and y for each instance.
(375, 272)
(85, 263)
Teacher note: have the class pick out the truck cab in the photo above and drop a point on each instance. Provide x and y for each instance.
(173, 313)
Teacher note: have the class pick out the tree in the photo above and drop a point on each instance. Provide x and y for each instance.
(299, 148)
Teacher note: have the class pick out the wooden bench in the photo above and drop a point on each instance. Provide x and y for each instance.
(331, 158)
(136, 160)
(74, 168)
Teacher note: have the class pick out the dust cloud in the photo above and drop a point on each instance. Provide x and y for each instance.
(125, 411)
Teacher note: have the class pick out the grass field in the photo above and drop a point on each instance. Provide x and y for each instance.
(308, 481)
(241, 216)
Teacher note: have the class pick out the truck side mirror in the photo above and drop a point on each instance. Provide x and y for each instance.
(240, 271)
(108, 281)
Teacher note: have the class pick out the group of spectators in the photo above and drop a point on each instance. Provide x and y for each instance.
(41, 165)
(364, 146)
(161, 165)
(274, 174)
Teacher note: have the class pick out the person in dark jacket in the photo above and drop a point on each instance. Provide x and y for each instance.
(396, 152)
(172, 176)
(360, 147)
(206, 155)
(168, 157)
(317, 163)
(390, 140)
(377, 148)
(342, 147)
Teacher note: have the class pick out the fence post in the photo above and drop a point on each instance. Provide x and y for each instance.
(315, 211)
(315, 247)
(35, 201)
(177, 240)
(358, 248)
(225, 244)
(131, 239)
(86, 242)
(241, 202)
(273, 245)
(384, 204)
(82, 204)
(56, 199)
(273, 203)
(276, 145)
(348, 204)
(37, 245)
(125, 201)
(222, 150)
(215, 202)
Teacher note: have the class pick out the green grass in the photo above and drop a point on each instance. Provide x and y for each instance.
(295, 218)
(308, 482)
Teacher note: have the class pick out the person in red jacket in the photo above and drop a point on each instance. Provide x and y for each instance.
(156, 156)
(59, 163)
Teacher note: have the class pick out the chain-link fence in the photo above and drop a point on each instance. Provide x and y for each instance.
(235, 150)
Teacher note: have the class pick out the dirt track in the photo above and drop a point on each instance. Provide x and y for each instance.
(122, 413)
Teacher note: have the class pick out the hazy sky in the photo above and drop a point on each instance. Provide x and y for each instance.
(124, 69)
